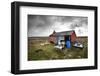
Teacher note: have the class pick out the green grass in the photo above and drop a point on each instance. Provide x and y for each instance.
(48, 52)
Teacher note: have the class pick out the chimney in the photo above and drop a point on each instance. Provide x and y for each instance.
(54, 32)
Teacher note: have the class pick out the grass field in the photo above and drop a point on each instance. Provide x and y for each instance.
(40, 49)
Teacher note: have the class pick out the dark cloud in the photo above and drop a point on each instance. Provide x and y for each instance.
(39, 21)
(43, 24)
(79, 22)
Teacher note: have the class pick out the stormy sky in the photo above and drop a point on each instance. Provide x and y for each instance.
(44, 25)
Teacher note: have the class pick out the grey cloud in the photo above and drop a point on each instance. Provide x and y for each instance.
(79, 22)
(43, 23)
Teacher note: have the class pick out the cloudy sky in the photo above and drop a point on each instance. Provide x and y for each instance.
(44, 25)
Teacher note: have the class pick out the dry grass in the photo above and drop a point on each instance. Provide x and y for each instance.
(41, 49)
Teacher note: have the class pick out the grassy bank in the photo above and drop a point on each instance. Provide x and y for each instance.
(38, 51)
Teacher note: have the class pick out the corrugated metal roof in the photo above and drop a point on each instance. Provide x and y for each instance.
(64, 33)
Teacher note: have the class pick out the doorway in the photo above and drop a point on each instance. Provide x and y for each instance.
(67, 42)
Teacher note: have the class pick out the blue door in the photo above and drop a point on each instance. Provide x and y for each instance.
(68, 44)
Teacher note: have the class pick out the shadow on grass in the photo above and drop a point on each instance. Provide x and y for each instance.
(54, 53)
(37, 55)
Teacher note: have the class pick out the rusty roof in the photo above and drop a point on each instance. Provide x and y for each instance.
(64, 33)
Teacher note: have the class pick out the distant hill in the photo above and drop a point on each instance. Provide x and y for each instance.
(37, 38)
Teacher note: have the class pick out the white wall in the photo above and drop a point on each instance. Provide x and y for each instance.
(5, 41)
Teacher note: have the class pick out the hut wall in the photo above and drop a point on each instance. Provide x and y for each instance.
(73, 37)
(59, 38)
(52, 39)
